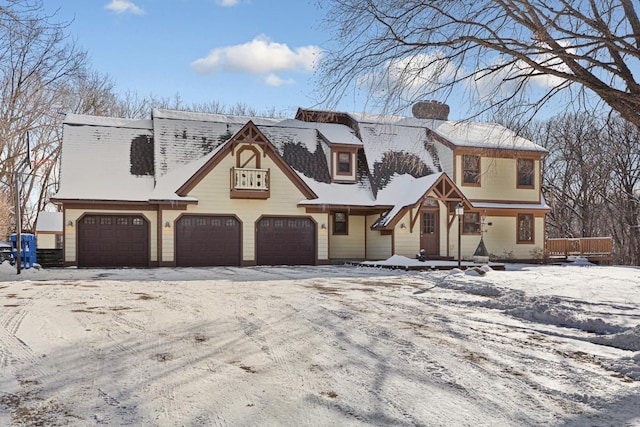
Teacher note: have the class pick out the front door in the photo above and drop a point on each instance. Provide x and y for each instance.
(429, 236)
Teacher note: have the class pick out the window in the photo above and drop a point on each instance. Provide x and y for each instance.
(59, 241)
(471, 223)
(344, 163)
(340, 224)
(525, 173)
(525, 228)
(471, 170)
(138, 221)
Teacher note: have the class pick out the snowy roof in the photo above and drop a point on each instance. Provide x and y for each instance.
(389, 146)
(149, 160)
(49, 221)
(334, 133)
(458, 133)
(106, 159)
(484, 135)
(86, 120)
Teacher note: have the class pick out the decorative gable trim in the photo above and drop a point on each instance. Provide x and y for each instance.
(445, 191)
(249, 134)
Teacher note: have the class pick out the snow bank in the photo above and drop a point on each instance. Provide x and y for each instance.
(456, 280)
(551, 310)
(627, 366)
(626, 340)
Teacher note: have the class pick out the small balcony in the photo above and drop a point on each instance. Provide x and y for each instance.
(249, 183)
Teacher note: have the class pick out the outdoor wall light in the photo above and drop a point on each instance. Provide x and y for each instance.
(323, 226)
(167, 225)
(70, 224)
(403, 226)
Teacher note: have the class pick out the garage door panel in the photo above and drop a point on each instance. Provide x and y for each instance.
(285, 241)
(113, 241)
(208, 241)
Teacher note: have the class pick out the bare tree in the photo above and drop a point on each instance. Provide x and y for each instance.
(36, 62)
(575, 174)
(623, 191)
(501, 53)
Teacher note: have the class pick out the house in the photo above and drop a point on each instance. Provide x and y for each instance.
(49, 230)
(196, 189)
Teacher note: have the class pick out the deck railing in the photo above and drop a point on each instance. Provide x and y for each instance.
(593, 248)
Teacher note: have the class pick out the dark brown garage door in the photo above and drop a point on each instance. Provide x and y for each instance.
(113, 241)
(286, 241)
(207, 241)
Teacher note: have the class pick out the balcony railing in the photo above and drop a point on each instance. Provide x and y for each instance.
(592, 248)
(249, 183)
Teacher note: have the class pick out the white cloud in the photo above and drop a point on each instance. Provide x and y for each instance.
(227, 3)
(509, 78)
(413, 77)
(410, 76)
(275, 81)
(124, 6)
(259, 56)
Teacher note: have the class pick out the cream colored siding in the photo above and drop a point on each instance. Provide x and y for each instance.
(46, 240)
(378, 246)
(407, 243)
(498, 181)
(500, 238)
(71, 232)
(351, 246)
(170, 216)
(213, 194)
(444, 220)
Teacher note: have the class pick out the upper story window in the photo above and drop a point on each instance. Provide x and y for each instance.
(525, 173)
(471, 170)
(344, 163)
(340, 223)
(471, 223)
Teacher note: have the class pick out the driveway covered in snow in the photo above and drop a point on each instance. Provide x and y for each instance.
(553, 345)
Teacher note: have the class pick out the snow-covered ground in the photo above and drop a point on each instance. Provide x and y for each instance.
(321, 346)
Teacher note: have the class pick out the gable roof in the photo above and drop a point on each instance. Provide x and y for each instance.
(249, 134)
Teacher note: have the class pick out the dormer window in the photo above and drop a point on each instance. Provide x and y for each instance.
(344, 163)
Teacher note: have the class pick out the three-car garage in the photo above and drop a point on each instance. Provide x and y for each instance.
(109, 240)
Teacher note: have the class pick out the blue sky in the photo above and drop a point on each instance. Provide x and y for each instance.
(257, 52)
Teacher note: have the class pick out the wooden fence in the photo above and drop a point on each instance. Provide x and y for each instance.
(592, 248)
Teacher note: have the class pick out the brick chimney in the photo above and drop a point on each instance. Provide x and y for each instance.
(435, 110)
